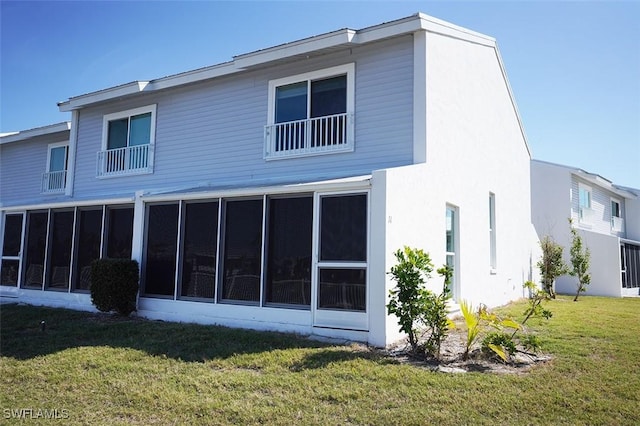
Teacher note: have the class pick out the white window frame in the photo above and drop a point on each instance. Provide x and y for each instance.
(152, 137)
(354, 320)
(585, 212)
(455, 227)
(617, 201)
(51, 147)
(493, 256)
(128, 114)
(346, 69)
(617, 222)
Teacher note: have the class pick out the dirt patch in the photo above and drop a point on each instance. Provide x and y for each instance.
(451, 360)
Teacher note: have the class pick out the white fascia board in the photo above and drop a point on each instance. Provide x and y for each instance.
(102, 95)
(512, 98)
(301, 47)
(334, 39)
(602, 183)
(193, 76)
(63, 204)
(343, 184)
(38, 131)
(435, 25)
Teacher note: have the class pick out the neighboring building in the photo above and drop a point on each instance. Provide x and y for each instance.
(607, 217)
(271, 191)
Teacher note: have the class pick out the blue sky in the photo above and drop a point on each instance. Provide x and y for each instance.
(574, 67)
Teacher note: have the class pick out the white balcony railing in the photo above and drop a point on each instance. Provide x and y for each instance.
(53, 182)
(586, 215)
(125, 161)
(331, 133)
(617, 224)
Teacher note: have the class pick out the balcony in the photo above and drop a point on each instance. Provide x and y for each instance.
(313, 136)
(586, 215)
(54, 182)
(617, 224)
(125, 161)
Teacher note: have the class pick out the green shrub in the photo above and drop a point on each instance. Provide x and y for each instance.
(114, 285)
(499, 343)
(551, 265)
(580, 261)
(435, 316)
(409, 299)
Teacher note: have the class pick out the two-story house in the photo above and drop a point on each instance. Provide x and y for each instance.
(606, 216)
(271, 191)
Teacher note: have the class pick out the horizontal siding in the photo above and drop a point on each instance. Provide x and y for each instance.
(601, 205)
(211, 133)
(21, 167)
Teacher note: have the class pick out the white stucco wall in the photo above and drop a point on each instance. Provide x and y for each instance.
(604, 267)
(475, 146)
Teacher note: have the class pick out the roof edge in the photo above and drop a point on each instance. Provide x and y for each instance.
(37, 131)
(343, 37)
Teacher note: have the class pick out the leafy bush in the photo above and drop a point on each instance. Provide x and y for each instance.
(414, 305)
(551, 265)
(531, 342)
(499, 343)
(477, 321)
(435, 316)
(535, 308)
(114, 285)
(580, 260)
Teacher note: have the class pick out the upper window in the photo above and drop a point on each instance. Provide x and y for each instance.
(616, 216)
(311, 113)
(584, 203)
(55, 178)
(127, 142)
(615, 208)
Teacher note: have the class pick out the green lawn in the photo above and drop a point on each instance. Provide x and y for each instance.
(94, 370)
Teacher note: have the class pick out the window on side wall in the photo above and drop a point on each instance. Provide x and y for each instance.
(493, 263)
(54, 179)
(585, 213)
(451, 247)
(128, 138)
(311, 114)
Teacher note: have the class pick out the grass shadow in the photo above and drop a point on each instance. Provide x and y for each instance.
(22, 336)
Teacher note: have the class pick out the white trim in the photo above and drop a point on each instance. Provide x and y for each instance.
(455, 228)
(616, 200)
(19, 257)
(343, 185)
(128, 114)
(584, 211)
(348, 69)
(308, 77)
(493, 249)
(301, 48)
(349, 320)
(102, 95)
(84, 203)
(53, 146)
(73, 147)
(38, 131)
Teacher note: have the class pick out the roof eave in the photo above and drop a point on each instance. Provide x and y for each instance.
(38, 131)
(102, 95)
